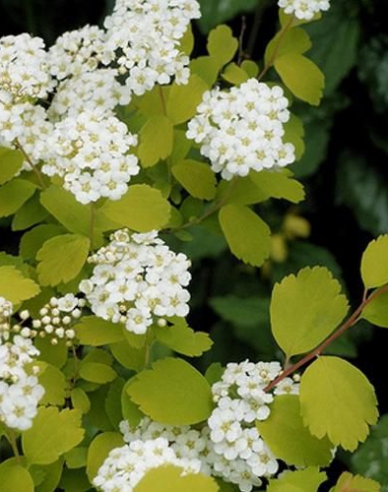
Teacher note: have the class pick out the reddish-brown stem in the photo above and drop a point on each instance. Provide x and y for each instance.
(352, 320)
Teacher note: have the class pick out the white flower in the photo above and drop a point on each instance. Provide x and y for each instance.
(304, 9)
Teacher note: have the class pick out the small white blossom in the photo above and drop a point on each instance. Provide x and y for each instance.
(304, 9)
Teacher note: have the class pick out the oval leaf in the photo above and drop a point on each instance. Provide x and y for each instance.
(14, 286)
(156, 139)
(374, 263)
(96, 331)
(196, 177)
(14, 194)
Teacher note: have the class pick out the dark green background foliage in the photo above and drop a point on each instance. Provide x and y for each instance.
(344, 170)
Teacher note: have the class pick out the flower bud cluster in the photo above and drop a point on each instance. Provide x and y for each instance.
(20, 390)
(137, 279)
(304, 9)
(89, 151)
(146, 35)
(242, 129)
(6, 308)
(229, 445)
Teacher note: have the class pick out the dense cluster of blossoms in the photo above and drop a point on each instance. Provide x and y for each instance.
(137, 279)
(242, 129)
(147, 34)
(20, 391)
(304, 9)
(228, 446)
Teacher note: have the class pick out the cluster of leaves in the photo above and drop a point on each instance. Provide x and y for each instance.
(111, 374)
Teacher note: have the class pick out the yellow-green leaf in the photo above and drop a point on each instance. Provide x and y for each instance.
(376, 311)
(296, 40)
(14, 477)
(294, 133)
(222, 45)
(156, 139)
(14, 194)
(337, 401)
(247, 235)
(80, 400)
(129, 356)
(234, 74)
(95, 331)
(305, 309)
(61, 258)
(54, 382)
(96, 372)
(374, 263)
(301, 76)
(33, 240)
(29, 214)
(99, 450)
(11, 162)
(307, 480)
(277, 185)
(355, 483)
(141, 209)
(171, 478)
(196, 177)
(53, 433)
(207, 68)
(288, 438)
(14, 286)
(184, 99)
(172, 392)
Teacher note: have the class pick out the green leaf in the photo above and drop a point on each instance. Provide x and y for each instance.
(277, 185)
(376, 311)
(11, 162)
(14, 286)
(239, 311)
(112, 403)
(156, 139)
(222, 45)
(52, 476)
(215, 12)
(14, 194)
(99, 449)
(374, 263)
(296, 40)
(141, 209)
(169, 477)
(53, 433)
(96, 372)
(14, 477)
(80, 400)
(33, 240)
(371, 458)
(130, 410)
(74, 481)
(196, 177)
(306, 309)
(207, 68)
(129, 356)
(248, 236)
(309, 88)
(186, 43)
(55, 355)
(29, 214)
(234, 74)
(54, 382)
(294, 133)
(61, 258)
(307, 480)
(182, 339)
(76, 458)
(184, 99)
(288, 438)
(95, 331)
(337, 400)
(172, 392)
(348, 483)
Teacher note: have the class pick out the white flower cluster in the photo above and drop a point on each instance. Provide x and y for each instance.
(20, 391)
(242, 129)
(228, 446)
(146, 34)
(304, 9)
(89, 151)
(136, 280)
(126, 466)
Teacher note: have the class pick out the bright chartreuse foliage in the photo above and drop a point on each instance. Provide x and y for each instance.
(183, 99)
(80, 400)
(182, 339)
(296, 40)
(14, 194)
(278, 185)
(348, 482)
(170, 478)
(374, 263)
(307, 480)
(376, 311)
(53, 433)
(34, 239)
(222, 45)
(97, 372)
(172, 392)
(156, 140)
(142, 208)
(61, 258)
(234, 74)
(11, 162)
(14, 477)
(31, 213)
(95, 331)
(337, 401)
(129, 356)
(14, 286)
(196, 177)
(248, 236)
(305, 309)
(99, 449)
(54, 382)
(289, 439)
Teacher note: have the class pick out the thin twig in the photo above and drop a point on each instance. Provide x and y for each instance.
(33, 167)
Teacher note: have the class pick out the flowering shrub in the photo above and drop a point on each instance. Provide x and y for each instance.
(113, 141)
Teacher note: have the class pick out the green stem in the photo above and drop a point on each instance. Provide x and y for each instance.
(10, 434)
(163, 100)
(281, 35)
(351, 321)
(91, 225)
(241, 40)
(33, 167)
